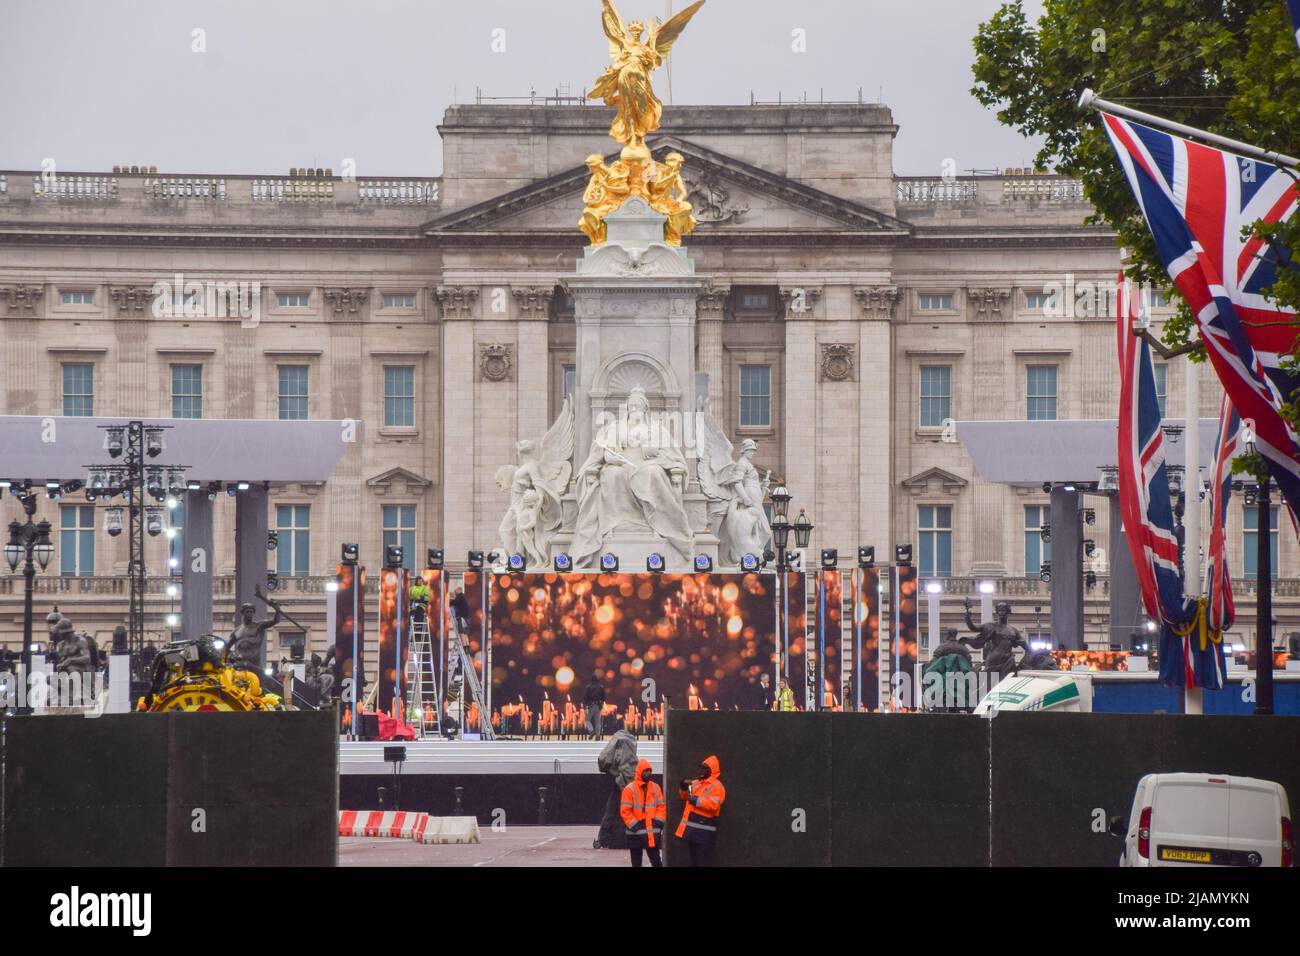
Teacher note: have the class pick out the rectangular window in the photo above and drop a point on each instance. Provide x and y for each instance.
(77, 540)
(1041, 393)
(934, 541)
(1157, 300)
(1250, 541)
(187, 391)
(293, 543)
(399, 529)
(930, 302)
(78, 388)
(755, 396)
(570, 380)
(1036, 549)
(755, 301)
(292, 300)
(936, 395)
(399, 396)
(77, 297)
(293, 392)
(1040, 300)
(181, 300)
(1162, 380)
(399, 300)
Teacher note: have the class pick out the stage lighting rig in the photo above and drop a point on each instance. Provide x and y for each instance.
(433, 559)
(475, 560)
(749, 562)
(563, 562)
(903, 554)
(393, 556)
(867, 556)
(830, 559)
(703, 564)
(1045, 572)
(609, 561)
(517, 563)
(350, 553)
(654, 563)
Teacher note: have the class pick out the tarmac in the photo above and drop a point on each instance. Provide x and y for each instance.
(513, 846)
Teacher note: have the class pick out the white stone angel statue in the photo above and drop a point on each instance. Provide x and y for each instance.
(735, 492)
(535, 486)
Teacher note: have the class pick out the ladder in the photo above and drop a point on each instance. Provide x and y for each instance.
(423, 707)
(475, 687)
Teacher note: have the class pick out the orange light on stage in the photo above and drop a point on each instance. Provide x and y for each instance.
(735, 624)
(564, 678)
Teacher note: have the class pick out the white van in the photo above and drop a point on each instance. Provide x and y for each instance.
(1202, 819)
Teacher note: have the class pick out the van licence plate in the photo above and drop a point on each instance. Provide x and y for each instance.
(1180, 855)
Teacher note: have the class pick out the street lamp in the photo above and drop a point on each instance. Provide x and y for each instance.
(31, 544)
(1263, 582)
(780, 502)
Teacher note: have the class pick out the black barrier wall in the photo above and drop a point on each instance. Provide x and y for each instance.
(950, 789)
(177, 789)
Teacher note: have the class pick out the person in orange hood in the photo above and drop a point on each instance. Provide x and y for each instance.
(645, 815)
(704, 797)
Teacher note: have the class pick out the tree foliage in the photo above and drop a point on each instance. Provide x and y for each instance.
(1231, 67)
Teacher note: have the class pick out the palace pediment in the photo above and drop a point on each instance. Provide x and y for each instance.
(729, 197)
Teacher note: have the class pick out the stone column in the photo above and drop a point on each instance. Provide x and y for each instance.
(1125, 593)
(346, 497)
(459, 446)
(710, 309)
(1067, 570)
(875, 418)
(132, 368)
(251, 526)
(799, 428)
(22, 357)
(994, 391)
(197, 566)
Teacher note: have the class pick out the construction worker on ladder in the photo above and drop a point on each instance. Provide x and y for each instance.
(419, 596)
(704, 797)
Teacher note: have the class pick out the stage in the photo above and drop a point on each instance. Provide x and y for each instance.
(461, 757)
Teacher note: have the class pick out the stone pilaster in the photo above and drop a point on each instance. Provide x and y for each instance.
(710, 310)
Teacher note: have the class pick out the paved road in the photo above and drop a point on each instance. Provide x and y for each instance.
(516, 846)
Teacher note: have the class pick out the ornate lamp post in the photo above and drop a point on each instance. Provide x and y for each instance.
(781, 528)
(1263, 586)
(27, 542)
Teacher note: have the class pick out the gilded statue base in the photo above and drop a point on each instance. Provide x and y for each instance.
(635, 174)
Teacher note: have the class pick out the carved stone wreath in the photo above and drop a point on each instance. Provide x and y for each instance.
(496, 363)
(837, 363)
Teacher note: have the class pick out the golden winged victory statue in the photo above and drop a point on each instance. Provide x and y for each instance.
(626, 86)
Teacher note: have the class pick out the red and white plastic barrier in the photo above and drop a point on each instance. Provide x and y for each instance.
(379, 823)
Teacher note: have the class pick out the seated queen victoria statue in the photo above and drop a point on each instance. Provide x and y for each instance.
(632, 480)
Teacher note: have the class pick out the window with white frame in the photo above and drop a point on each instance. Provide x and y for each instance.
(936, 395)
(399, 529)
(399, 300)
(934, 541)
(1040, 301)
(755, 396)
(570, 374)
(187, 391)
(293, 540)
(1036, 549)
(77, 297)
(934, 301)
(1040, 392)
(399, 396)
(292, 300)
(292, 398)
(78, 388)
(1250, 541)
(1162, 382)
(77, 540)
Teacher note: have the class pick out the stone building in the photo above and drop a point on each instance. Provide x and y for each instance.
(852, 313)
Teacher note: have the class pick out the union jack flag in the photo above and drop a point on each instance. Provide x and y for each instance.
(1144, 499)
(1198, 202)
(1220, 611)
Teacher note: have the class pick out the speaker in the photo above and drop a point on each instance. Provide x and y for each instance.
(369, 726)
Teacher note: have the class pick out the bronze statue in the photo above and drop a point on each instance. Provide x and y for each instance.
(249, 636)
(997, 638)
(76, 653)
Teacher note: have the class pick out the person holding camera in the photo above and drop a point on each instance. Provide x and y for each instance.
(704, 797)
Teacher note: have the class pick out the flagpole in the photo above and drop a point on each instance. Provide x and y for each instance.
(1193, 697)
(1090, 100)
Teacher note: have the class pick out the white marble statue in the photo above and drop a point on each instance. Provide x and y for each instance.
(535, 486)
(735, 493)
(632, 480)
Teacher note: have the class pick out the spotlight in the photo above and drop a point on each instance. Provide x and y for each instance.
(52, 486)
(609, 561)
(1090, 580)
(1069, 486)
(332, 585)
(218, 644)
(1045, 532)
(795, 560)
(1089, 516)
(351, 553)
(272, 581)
(242, 486)
(703, 563)
(193, 485)
(933, 587)
(433, 559)
(114, 443)
(768, 556)
(173, 562)
(987, 587)
(654, 563)
(749, 562)
(475, 560)
(6, 483)
(867, 556)
(830, 559)
(563, 562)
(272, 540)
(153, 521)
(1045, 572)
(170, 533)
(153, 442)
(71, 486)
(902, 554)
(214, 487)
(172, 620)
(171, 502)
(1089, 547)
(172, 590)
(517, 563)
(1136, 644)
(393, 556)
(113, 521)
(1250, 498)
(1150, 626)
(230, 489)
(1047, 487)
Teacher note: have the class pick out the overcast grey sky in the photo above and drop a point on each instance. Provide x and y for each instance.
(309, 82)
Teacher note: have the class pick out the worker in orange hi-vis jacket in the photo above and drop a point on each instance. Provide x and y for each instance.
(645, 815)
(704, 797)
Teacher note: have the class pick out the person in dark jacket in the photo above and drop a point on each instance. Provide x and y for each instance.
(593, 699)
(460, 610)
(762, 693)
(618, 762)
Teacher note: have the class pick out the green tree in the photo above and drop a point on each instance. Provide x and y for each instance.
(1228, 66)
